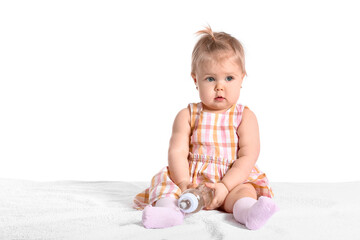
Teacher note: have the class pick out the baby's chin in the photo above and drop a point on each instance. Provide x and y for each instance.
(217, 107)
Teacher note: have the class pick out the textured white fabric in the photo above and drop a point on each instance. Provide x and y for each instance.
(103, 210)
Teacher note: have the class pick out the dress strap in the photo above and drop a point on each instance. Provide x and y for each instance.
(239, 113)
(195, 110)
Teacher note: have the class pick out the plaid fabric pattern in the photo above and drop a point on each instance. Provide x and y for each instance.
(213, 149)
(215, 134)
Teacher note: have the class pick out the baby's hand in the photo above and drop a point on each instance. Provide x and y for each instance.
(219, 196)
(186, 185)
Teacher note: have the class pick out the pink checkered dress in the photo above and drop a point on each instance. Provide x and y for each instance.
(213, 149)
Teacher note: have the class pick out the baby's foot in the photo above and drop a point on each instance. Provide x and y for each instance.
(260, 212)
(161, 217)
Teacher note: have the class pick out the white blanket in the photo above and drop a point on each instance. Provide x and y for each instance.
(102, 210)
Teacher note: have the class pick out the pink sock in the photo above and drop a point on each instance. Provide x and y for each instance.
(254, 213)
(164, 214)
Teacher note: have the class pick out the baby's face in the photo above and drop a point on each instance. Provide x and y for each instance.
(219, 84)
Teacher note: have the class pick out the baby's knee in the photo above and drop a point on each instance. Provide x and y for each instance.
(240, 191)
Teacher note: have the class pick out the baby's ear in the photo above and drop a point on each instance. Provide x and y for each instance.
(243, 76)
(193, 75)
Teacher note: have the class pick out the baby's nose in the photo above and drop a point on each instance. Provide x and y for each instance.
(219, 87)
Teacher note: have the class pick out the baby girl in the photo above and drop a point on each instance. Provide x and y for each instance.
(215, 141)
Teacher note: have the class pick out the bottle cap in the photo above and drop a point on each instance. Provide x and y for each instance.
(192, 200)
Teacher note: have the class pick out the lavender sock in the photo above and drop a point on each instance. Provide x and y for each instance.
(164, 214)
(254, 214)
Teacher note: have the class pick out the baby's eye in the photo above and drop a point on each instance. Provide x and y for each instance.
(210, 79)
(229, 78)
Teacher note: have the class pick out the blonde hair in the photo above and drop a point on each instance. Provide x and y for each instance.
(216, 44)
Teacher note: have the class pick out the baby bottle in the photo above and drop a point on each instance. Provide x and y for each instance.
(195, 199)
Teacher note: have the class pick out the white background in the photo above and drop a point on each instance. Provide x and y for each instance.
(89, 89)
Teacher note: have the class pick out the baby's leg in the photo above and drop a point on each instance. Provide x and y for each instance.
(164, 214)
(253, 213)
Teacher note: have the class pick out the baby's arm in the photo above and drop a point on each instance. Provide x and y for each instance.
(249, 149)
(179, 150)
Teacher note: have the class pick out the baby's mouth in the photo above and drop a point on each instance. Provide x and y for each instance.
(219, 98)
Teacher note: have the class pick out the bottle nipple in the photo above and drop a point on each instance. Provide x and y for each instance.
(188, 203)
(185, 204)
